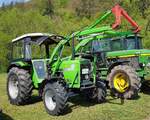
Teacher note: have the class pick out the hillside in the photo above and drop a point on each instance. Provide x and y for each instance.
(63, 17)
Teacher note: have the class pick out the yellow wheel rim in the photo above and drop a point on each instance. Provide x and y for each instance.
(121, 82)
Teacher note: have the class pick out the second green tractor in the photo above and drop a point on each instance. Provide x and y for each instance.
(120, 59)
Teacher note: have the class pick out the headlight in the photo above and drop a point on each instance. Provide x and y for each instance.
(141, 65)
(86, 77)
(148, 65)
(85, 71)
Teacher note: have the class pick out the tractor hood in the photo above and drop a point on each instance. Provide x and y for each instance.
(128, 53)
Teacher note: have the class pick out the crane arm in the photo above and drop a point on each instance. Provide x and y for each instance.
(119, 12)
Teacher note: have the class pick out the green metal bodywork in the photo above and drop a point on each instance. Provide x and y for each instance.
(72, 71)
(20, 63)
(129, 53)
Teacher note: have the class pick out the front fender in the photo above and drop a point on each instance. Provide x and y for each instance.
(18, 64)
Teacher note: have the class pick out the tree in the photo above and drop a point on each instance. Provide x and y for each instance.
(11, 5)
(85, 8)
(49, 9)
(143, 6)
(147, 27)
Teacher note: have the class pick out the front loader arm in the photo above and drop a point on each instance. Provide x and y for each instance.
(100, 19)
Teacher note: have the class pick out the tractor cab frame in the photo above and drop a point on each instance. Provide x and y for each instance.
(22, 46)
(33, 52)
(114, 44)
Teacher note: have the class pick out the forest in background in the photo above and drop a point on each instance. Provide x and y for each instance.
(63, 17)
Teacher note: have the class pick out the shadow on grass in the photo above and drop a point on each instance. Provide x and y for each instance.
(67, 110)
(78, 101)
(111, 101)
(4, 116)
(121, 101)
(34, 99)
(146, 87)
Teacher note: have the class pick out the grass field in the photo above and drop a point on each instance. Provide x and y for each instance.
(78, 109)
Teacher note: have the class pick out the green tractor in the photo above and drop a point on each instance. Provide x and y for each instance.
(119, 56)
(123, 64)
(37, 62)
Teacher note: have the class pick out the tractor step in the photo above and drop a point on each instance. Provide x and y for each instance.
(72, 94)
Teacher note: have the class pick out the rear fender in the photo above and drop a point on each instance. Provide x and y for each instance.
(116, 63)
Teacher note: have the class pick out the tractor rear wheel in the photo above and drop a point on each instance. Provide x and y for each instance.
(55, 98)
(97, 94)
(19, 86)
(124, 82)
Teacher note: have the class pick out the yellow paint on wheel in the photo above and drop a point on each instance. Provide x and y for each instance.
(121, 82)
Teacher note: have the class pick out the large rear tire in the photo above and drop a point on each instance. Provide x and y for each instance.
(124, 82)
(55, 98)
(19, 86)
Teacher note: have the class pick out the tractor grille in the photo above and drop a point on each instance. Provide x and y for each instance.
(86, 78)
(85, 66)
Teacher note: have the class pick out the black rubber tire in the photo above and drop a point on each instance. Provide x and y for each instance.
(24, 86)
(134, 82)
(59, 92)
(97, 94)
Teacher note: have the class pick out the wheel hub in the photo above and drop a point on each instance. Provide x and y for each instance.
(50, 100)
(13, 87)
(121, 83)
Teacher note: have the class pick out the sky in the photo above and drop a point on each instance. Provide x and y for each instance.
(9, 1)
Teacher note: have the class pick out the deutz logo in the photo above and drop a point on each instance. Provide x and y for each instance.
(71, 68)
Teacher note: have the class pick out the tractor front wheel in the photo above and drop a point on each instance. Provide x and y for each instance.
(97, 94)
(124, 82)
(19, 86)
(55, 98)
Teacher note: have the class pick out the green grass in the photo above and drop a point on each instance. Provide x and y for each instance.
(78, 109)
